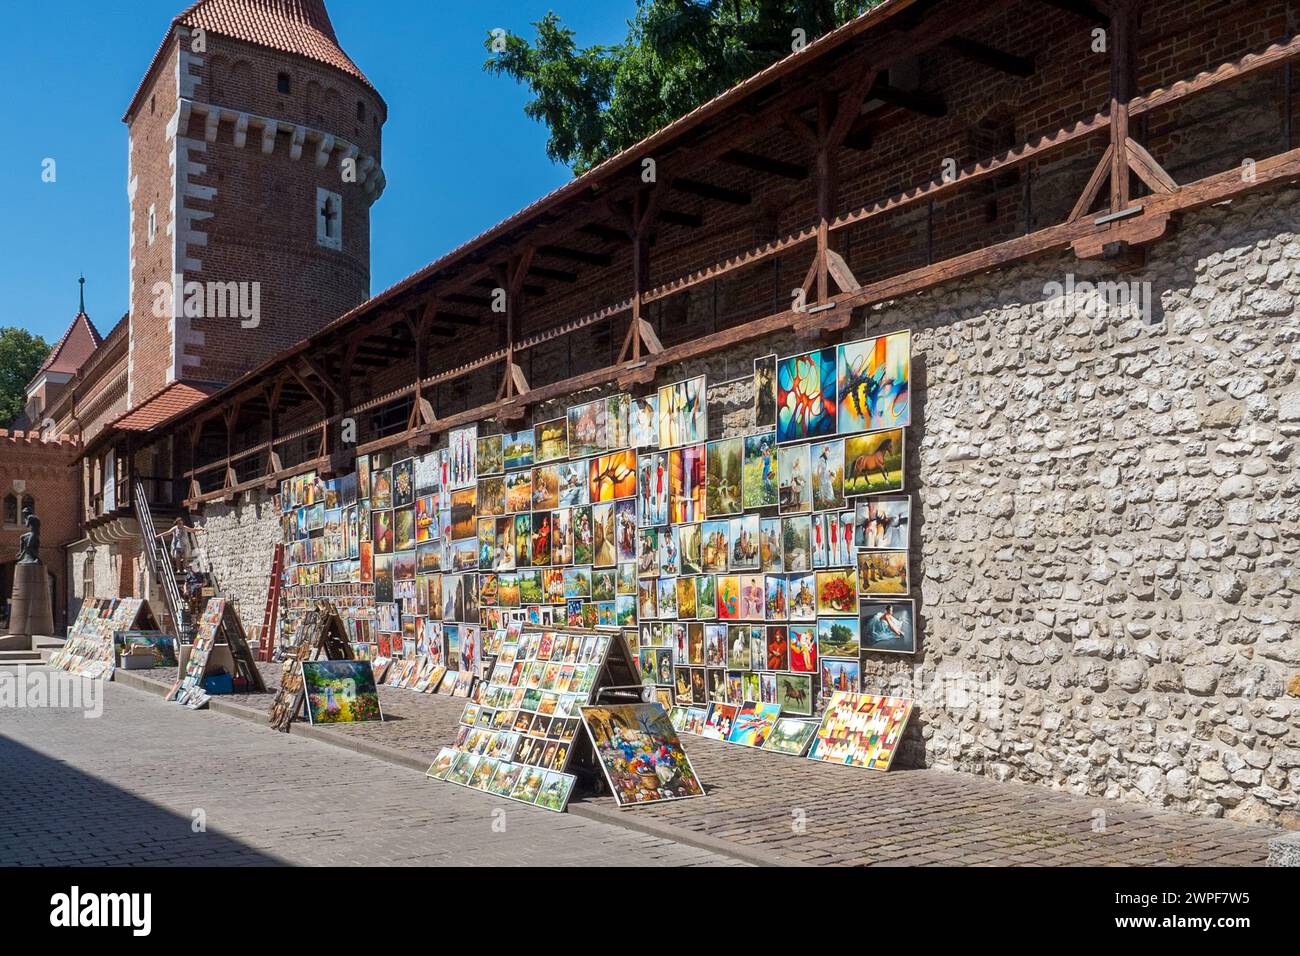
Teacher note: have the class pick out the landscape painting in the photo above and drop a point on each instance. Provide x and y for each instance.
(340, 692)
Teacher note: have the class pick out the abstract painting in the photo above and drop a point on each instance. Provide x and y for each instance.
(861, 730)
(753, 723)
(882, 523)
(683, 413)
(805, 396)
(873, 380)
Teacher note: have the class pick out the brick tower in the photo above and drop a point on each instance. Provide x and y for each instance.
(254, 158)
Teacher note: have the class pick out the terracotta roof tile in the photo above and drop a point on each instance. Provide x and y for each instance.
(300, 27)
(172, 400)
(77, 344)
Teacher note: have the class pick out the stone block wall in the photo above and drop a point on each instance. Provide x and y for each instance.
(1108, 513)
(238, 548)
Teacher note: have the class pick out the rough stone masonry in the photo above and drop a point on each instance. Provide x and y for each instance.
(1106, 510)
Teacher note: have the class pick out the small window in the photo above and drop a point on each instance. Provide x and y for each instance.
(282, 83)
(29, 504)
(152, 103)
(361, 110)
(153, 224)
(11, 511)
(329, 219)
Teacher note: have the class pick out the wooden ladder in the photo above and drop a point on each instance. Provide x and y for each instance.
(266, 637)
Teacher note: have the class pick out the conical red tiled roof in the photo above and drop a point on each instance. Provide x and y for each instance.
(300, 27)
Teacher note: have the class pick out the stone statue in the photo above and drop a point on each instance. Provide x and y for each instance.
(29, 545)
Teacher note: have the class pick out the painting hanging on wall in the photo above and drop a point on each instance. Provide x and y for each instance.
(643, 422)
(517, 450)
(550, 440)
(873, 463)
(640, 753)
(889, 626)
(462, 445)
(683, 413)
(340, 692)
(873, 383)
(686, 484)
(861, 730)
(882, 523)
(760, 471)
(490, 455)
(765, 392)
(723, 479)
(805, 396)
(882, 572)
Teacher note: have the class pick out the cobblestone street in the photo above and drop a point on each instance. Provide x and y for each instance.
(123, 789)
(103, 791)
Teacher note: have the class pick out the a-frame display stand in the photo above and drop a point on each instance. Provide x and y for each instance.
(233, 630)
(320, 630)
(89, 649)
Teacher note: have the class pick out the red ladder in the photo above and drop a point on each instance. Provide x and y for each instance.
(266, 638)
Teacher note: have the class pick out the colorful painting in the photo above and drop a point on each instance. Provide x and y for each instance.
(872, 385)
(551, 440)
(683, 413)
(803, 648)
(882, 524)
(753, 723)
(837, 591)
(765, 391)
(760, 471)
(612, 476)
(840, 674)
(790, 736)
(796, 543)
(462, 446)
(403, 483)
(889, 626)
(794, 694)
(686, 484)
(861, 730)
(882, 572)
(340, 692)
(827, 475)
(640, 753)
(587, 429)
(490, 455)
(873, 463)
(517, 450)
(643, 422)
(806, 396)
(719, 723)
(723, 479)
(652, 489)
(794, 470)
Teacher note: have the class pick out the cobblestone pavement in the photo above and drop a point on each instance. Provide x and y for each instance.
(774, 808)
(123, 790)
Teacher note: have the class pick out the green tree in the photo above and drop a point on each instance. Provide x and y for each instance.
(599, 100)
(21, 355)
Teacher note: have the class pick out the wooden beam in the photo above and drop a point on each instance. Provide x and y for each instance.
(924, 104)
(1148, 170)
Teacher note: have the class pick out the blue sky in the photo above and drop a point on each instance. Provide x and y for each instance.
(459, 153)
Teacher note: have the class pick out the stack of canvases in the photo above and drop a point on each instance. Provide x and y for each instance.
(516, 739)
(758, 567)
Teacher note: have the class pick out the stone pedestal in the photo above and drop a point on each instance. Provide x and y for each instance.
(29, 611)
